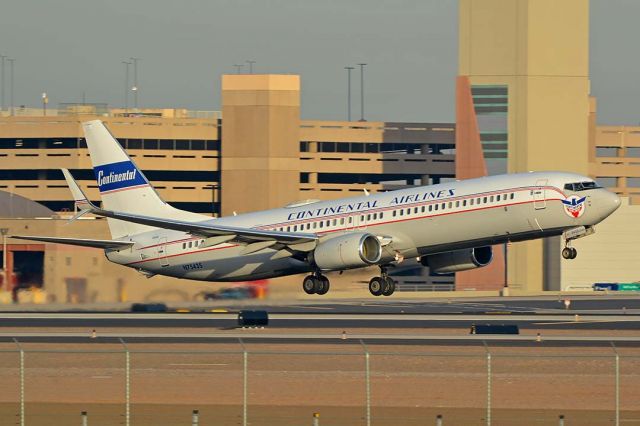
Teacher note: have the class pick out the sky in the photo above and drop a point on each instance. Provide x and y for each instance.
(68, 48)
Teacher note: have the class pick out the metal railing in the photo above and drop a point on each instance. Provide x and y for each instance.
(358, 383)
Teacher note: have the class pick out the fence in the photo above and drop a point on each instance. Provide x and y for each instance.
(353, 382)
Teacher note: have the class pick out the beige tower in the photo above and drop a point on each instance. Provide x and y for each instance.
(533, 57)
(260, 141)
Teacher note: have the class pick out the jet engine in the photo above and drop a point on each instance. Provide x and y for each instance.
(347, 251)
(458, 260)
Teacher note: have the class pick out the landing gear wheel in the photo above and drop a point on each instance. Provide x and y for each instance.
(569, 253)
(309, 284)
(324, 285)
(376, 286)
(389, 286)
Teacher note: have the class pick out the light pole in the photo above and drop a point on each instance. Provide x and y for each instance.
(135, 82)
(2, 57)
(126, 86)
(348, 92)
(11, 61)
(362, 91)
(45, 101)
(5, 276)
(238, 68)
(251, 66)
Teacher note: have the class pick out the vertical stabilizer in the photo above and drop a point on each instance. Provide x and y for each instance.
(123, 187)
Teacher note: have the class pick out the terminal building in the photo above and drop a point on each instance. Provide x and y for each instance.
(519, 106)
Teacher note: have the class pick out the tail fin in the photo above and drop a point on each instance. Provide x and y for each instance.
(123, 187)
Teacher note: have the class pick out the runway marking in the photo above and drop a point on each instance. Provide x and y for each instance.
(580, 321)
(195, 365)
(312, 307)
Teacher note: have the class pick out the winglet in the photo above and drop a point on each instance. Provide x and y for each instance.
(79, 197)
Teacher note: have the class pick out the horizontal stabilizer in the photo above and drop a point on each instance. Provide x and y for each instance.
(102, 244)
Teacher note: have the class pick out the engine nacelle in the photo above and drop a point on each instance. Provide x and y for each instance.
(347, 251)
(458, 260)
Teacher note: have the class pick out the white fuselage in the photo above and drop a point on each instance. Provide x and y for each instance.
(418, 221)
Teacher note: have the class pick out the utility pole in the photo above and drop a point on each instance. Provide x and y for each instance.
(126, 86)
(238, 68)
(135, 82)
(2, 57)
(348, 92)
(11, 61)
(362, 91)
(251, 66)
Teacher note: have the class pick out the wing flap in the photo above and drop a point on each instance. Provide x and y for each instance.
(83, 242)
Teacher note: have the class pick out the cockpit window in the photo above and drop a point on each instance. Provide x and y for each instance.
(581, 186)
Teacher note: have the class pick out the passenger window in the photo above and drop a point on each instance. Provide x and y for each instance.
(450, 204)
(190, 244)
(430, 207)
(436, 207)
(288, 228)
(184, 246)
(471, 201)
(321, 224)
(368, 217)
(295, 228)
(408, 211)
(350, 219)
(415, 210)
(401, 212)
(315, 225)
(328, 223)
(491, 198)
(422, 209)
(381, 215)
(464, 203)
(512, 195)
(393, 214)
(457, 203)
(334, 222)
(444, 205)
(362, 219)
(484, 200)
(342, 221)
(478, 200)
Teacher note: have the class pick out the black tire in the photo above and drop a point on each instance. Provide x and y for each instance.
(309, 284)
(376, 285)
(574, 253)
(390, 287)
(567, 252)
(324, 285)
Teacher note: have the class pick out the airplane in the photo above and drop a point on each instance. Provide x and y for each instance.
(448, 227)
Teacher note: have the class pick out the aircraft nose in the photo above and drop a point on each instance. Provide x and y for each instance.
(614, 201)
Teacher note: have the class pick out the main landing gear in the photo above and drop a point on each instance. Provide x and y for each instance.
(316, 284)
(569, 252)
(383, 285)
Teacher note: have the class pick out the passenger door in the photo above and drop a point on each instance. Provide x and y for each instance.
(539, 194)
(162, 252)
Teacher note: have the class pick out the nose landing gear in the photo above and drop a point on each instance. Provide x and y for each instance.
(569, 253)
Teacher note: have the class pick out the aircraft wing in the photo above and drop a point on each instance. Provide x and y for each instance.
(248, 235)
(103, 244)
